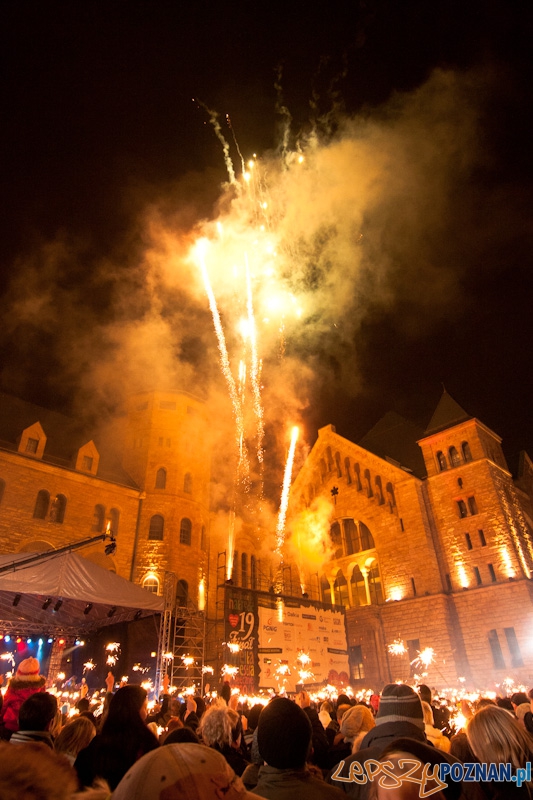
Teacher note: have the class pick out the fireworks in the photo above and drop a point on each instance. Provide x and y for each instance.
(113, 650)
(233, 647)
(188, 661)
(397, 648)
(230, 671)
(89, 665)
(207, 670)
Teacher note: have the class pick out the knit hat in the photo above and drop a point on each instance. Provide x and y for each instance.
(356, 720)
(29, 670)
(182, 772)
(400, 703)
(284, 734)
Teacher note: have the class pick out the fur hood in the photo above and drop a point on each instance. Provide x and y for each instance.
(17, 683)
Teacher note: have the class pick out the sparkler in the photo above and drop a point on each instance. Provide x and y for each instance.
(89, 665)
(227, 669)
(113, 650)
(188, 661)
(397, 648)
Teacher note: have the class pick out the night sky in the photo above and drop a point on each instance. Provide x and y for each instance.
(104, 126)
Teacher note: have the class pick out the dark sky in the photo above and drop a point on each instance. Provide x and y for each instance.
(100, 128)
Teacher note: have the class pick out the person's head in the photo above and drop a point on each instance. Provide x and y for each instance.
(176, 771)
(33, 771)
(505, 702)
(82, 704)
(29, 671)
(356, 721)
(327, 707)
(425, 693)
(181, 735)
(495, 735)
(343, 700)
(483, 701)
(225, 691)
(75, 735)
(518, 698)
(341, 711)
(284, 734)
(400, 703)
(215, 727)
(200, 705)
(128, 707)
(253, 716)
(38, 712)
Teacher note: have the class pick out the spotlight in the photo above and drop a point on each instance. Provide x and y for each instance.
(112, 611)
(46, 603)
(17, 599)
(88, 608)
(58, 605)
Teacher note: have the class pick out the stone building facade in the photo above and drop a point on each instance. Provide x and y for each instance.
(433, 550)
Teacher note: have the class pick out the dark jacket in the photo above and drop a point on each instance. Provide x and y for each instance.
(293, 784)
(319, 739)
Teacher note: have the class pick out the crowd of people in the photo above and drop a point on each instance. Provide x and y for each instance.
(400, 745)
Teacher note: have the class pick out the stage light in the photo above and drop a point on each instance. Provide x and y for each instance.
(28, 641)
(58, 605)
(61, 642)
(88, 608)
(50, 641)
(17, 599)
(40, 643)
(46, 603)
(7, 638)
(112, 611)
(79, 642)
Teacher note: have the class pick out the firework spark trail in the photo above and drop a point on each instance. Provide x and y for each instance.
(235, 142)
(283, 111)
(213, 119)
(280, 527)
(255, 376)
(231, 545)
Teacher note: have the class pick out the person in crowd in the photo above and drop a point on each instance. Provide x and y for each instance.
(324, 713)
(250, 776)
(74, 736)
(495, 736)
(220, 729)
(460, 748)
(176, 771)
(180, 735)
(355, 724)
(35, 772)
(517, 698)
(122, 739)
(36, 717)
(441, 714)
(528, 716)
(252, 720)
(320, 743)
(26, 681)
(399, 715)
(284, 735)
(505, 702)
(436, 737)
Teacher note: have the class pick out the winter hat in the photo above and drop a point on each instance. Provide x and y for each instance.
(522, 710)
(181, 772)
(400, 703)
(29, 670)
(284, 734)
(356, 720)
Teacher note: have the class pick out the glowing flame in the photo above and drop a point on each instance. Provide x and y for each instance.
(280, 528)
(188, 661)
(397, 648)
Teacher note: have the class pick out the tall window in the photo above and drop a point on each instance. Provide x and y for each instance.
(514, 649)
(161, 478)
(358, 588)
(41, 505)
(441, 461)
(379, 490)
(98, 518)
(374, 585)
(151, 584)
(114, 519)
(357, 476)
(187, 483)
(185, 531)
(336, 539)
(341, 589)
(368, 484)
(253, 573)
(350, 536)
(57, 508)
(157, 527)
(468, 541)
(347, 470)
(367, 540)
(472, 505)
(467, 455)
(355, 657)
(244, 571)
(461, 508)
(496, 650)
(455, 461)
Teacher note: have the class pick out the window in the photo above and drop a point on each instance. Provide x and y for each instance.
(482, 539)
(461, 508)
(87, 463)
(357, 667)
(367, 540)
(325, 591)
(478, 576)
(235, 569)
(185, 531)
(41, 505)
(467, 455)
(358, 588)
(157, 527)
(357, 478)
(441, 461)
(338, 465)
(244, 571)
(379, 490)
(496, 650)
(32, 445)
(187, 483)
(468, 541)
(168, 405)
(374, 585)
(151, 584)
(512, 643)
(161, 478)
(336, 539)
(253, 573)
(347, 470)
(391, 499)
(492, 573)
(57, 509)
(350, 536)
(114, 519)
(455, 461)
(368, 484)
(472, 505)
(98, 518)
(341, 589)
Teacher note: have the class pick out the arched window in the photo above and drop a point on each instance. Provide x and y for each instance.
(187, 483)
(114, 519)
(357, 476)
(151, 584)
(41, 505)
(358, 587)
(455, 461)
(2, 489)
(185, 531)
(441, 461)
(244, 571)
(368, 484)
(336, 539)
(98, 518)
(161, 478)
(323, 468)
(379, 490)
(374, 585)
(253, 573)
(467, 455)
(341, 589)
(57, 508)
(347, 470)
(329, 459)
(182, 593)
(391, 499)
(325, 591)
(350, 536)
(157, 527)
(338, 465)
(367, 540)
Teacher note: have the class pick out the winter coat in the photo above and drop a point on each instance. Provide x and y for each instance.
(437, 738)
(17, 692)
(293, 784)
